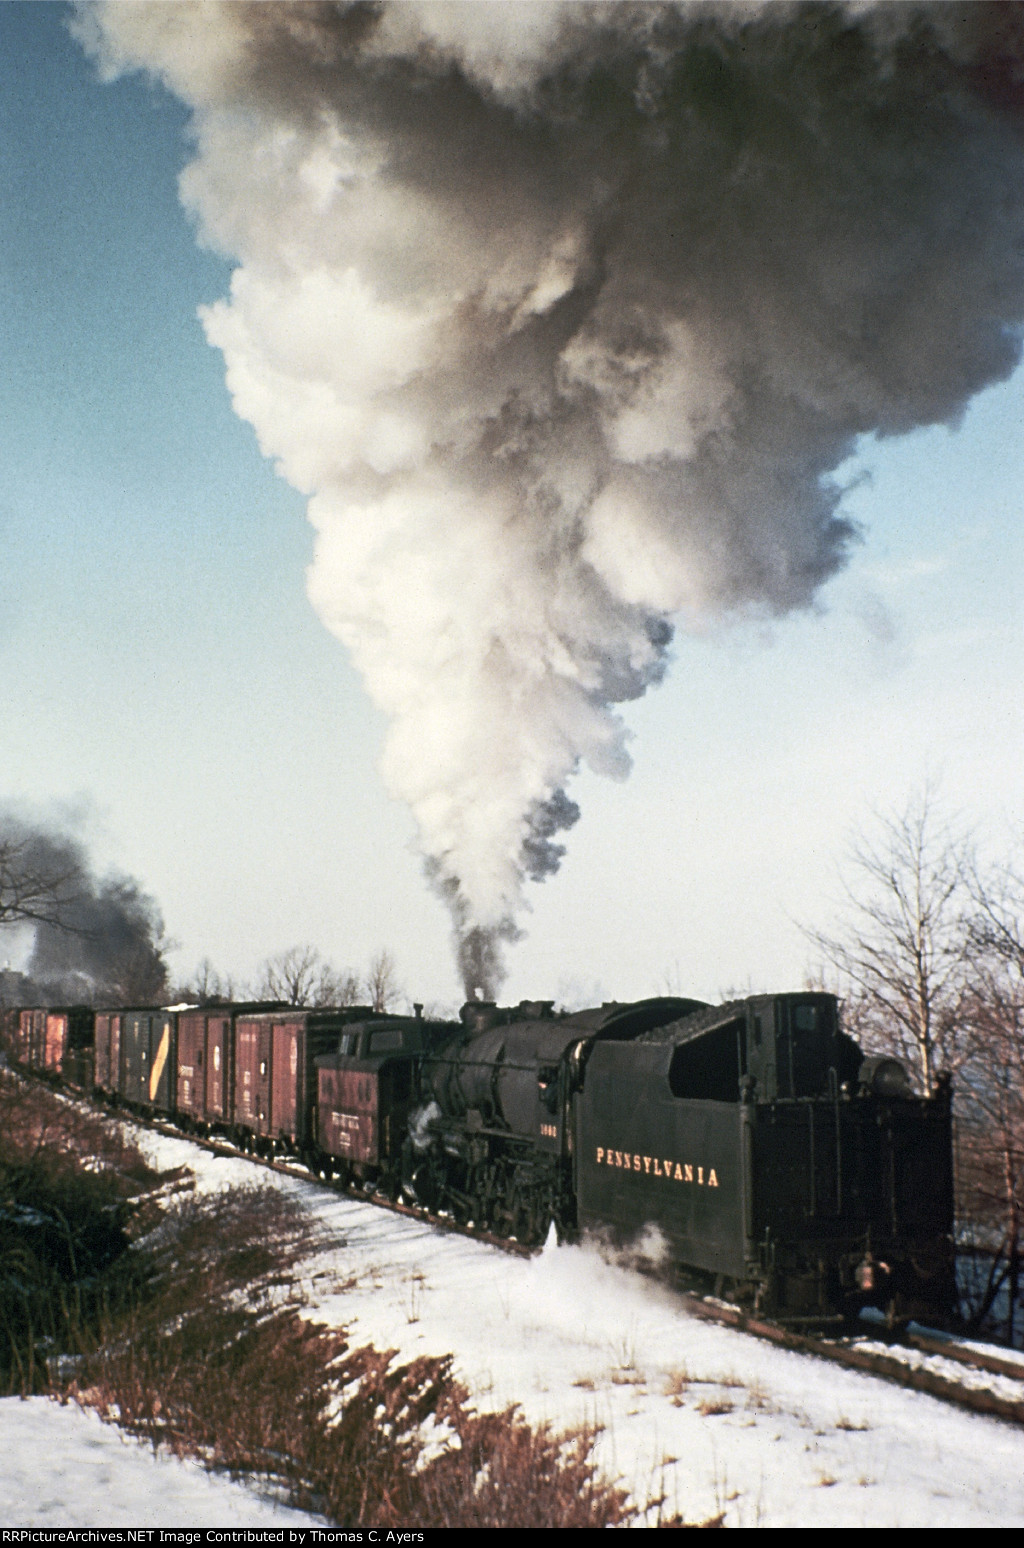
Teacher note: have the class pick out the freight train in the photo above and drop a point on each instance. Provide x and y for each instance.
(752, 1143)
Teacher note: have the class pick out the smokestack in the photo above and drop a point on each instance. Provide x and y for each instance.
(564, 316)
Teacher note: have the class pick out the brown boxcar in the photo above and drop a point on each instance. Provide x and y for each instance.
(55, 1040)
(206, 1062)
(204, 1067)
(275, 1076)
(47, 1037)
(69, 1032)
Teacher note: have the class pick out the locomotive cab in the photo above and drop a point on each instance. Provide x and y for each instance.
(796, 1049)
(365, 1092)
(770, 1048)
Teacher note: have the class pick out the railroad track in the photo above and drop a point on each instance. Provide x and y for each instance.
(897, 1360)
(922, 1359)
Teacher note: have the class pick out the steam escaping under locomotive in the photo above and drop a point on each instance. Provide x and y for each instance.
(753, 1140)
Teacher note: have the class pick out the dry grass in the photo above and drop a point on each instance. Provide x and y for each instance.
(677, 1386)
(759, 1398)
(842, 1423)
(39, 1128)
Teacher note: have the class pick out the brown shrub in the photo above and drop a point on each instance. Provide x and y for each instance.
(213, 1365)
(69, 1192)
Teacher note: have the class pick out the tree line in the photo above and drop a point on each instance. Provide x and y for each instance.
(300, 976)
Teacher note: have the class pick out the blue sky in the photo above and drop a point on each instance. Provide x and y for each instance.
(167, 687)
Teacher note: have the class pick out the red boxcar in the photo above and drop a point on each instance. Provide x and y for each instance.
(275, 1077)
(48, 1038)
(206, 1062)
(31, 1041)
(204, 1067)
(56, 1040)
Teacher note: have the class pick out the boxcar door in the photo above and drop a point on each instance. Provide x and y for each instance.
(218, 1045)
(264, 1095)
(287, 1069)
(247, 1058)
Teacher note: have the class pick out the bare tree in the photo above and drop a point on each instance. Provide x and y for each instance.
(207, 986)
(991, 1101)
(338, 987)
(902, 955)
(41, 877)
(997, 923)
(300, 976)
(990, 1104)
(382, 983)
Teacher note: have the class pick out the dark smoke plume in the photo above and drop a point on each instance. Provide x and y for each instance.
(564, 316)
(94, 940)
(478, 948)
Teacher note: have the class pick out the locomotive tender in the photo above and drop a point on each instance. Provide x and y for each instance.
(751, 1144)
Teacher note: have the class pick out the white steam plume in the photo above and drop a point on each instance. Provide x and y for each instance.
(561, 315)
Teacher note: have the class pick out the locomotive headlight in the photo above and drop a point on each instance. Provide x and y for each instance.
(884, 1077)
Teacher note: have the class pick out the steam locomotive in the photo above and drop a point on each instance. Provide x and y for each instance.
(752, 1141)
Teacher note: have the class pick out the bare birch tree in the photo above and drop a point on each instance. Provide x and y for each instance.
(902, 951)
(997, 923)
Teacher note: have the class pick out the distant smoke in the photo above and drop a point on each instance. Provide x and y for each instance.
(94, 941)
(562, 316)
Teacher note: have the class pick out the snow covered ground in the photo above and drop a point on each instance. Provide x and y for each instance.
(63, 1467)
(711, 1418)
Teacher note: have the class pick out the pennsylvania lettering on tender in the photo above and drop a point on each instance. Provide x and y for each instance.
(656, 1166)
